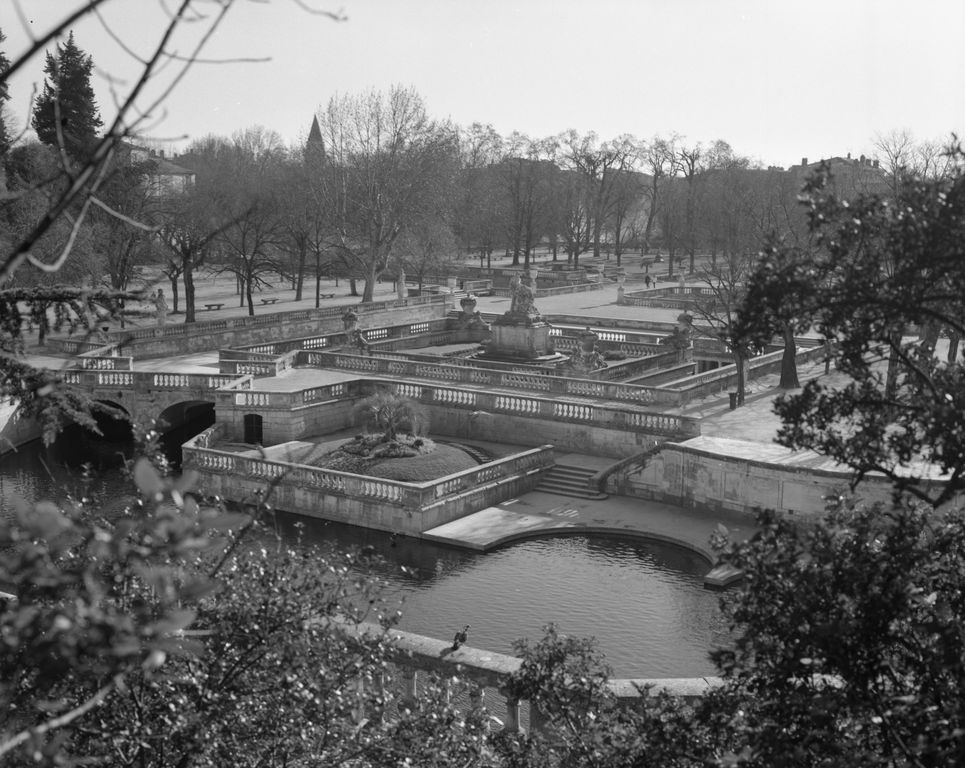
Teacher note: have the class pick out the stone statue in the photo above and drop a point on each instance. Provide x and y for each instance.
(350, 319)
(354, 335)
(400, 284)
(160, 307)
(470, 317)
(523, 295)
(681, 339)
(587, 357)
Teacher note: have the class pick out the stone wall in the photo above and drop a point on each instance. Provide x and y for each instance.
(370, 502)
(15, 430)
(691, 477)
(599, 428)
(182, 339)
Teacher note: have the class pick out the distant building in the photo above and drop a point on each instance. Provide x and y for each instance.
(849, 175)
(164, 177)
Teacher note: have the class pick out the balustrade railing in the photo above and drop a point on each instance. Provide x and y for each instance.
(205, 326)
(529, 382)
(126, 379)
(488, 672)
(412, 496)
(105, 363)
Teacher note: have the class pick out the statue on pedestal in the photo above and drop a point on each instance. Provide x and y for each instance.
(470, 317)
(681, 339)
(523, 292)
(587, 357)
(354, 335)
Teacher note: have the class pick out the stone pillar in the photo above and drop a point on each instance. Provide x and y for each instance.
(620, 294)
(512, 715)
(410, 687)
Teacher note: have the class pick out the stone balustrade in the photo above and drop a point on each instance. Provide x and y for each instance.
(488, 671)
(104, 363)
(365, 501)
(179, 338)
(143, 380)
(529, 382)
(612, 336)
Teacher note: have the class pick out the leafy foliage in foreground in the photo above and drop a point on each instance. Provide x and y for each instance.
(164, 638)
(850, 644)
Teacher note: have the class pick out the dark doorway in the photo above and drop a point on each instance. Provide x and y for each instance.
(253, 428)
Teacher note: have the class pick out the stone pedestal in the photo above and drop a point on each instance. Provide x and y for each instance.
(525, 342)
(521, 335)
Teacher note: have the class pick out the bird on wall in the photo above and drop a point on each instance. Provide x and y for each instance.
(461, 636)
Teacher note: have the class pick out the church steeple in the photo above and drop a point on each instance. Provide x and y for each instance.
(315, 143)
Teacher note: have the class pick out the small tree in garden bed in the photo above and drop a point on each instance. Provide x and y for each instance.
(391, 414)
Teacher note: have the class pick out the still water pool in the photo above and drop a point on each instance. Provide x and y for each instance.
(644, 602)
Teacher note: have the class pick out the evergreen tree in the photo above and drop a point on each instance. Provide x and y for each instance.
(4, 98)
(67, 100)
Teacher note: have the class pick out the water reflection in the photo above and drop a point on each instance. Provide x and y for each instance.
(644, 601)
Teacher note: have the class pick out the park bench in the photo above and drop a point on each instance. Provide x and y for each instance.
(213, 306)
(326, 295)
(269, 301)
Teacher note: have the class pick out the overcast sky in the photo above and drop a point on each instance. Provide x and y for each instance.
(777, 79)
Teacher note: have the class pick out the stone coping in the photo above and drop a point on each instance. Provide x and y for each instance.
(491, 669)
(492, 527)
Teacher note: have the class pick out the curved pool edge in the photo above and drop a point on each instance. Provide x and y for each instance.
(493, 527)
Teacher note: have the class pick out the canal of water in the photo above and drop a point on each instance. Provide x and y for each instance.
(644, 602)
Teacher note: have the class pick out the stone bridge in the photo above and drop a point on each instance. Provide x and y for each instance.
(169, 398)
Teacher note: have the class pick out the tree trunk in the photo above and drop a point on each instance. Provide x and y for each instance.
(251, 301)
(891, 377)
(300, 279)
(318, 280)
(353, 287)
(953, 341)
(174, 294)
(930, 337)
(789, 379)
(189, 297)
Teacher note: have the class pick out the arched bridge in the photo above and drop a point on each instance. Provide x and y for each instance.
(151, 395)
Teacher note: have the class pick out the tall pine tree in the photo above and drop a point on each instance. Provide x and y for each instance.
(67, 99)
(4, 98)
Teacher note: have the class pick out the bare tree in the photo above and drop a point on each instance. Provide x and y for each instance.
(246, 192)
(388, 164)
(575, 211)
(659, 162)
(600, 165)
(530, 179)
(476, 220)
(718, 310)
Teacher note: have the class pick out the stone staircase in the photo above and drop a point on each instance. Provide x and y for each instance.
(566, 480)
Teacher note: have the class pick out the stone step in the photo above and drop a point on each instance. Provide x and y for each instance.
(565, 480)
